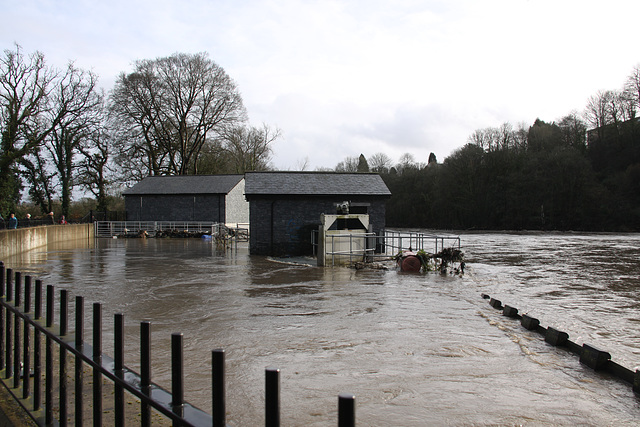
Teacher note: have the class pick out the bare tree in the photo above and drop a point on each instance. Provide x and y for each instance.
(37, 102)
(249, 148)
(302, 164)
(64, 143)
(25, 84)
(407, 161)
(171, 107)
(481, 138)
(349, 164)
(380, 163)
(520, 136)
(40, 179)
(632, 89)
(505, 138)
(596, 113)
(214, 159)
(95, 171)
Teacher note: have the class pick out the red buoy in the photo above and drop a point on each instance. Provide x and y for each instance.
(411, 263)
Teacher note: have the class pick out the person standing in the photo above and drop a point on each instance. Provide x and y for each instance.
(13, 221)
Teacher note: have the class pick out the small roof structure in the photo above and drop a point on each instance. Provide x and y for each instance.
(315, 184)
(184, 184)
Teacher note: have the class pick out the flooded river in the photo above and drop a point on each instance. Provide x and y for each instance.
(415, 349)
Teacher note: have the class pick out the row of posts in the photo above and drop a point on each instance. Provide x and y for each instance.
(140, 385)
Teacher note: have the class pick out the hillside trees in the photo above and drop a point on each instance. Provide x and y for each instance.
(540, 178)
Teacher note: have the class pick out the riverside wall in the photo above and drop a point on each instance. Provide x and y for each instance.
(22, 240)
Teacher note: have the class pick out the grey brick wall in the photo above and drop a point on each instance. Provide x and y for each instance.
(175, 208)
(282, 227)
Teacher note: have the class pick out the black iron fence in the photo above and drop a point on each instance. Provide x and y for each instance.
(46, 394)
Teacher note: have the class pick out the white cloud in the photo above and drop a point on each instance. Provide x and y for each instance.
(342, 78)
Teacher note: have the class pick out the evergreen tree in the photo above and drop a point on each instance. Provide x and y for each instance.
(363, 166)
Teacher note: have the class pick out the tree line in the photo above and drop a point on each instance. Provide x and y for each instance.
(183, 114)
(546, 176)
(174, 115)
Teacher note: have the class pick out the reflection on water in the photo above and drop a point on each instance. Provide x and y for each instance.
(414, 349)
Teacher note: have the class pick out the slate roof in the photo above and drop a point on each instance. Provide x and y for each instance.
(315, 183)
(185, 184)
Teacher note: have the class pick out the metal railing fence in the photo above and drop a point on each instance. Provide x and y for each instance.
(384, 245)
(120, 228)
(396, 241)
(45, 394)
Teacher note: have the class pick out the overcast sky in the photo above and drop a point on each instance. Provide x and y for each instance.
(341, 78)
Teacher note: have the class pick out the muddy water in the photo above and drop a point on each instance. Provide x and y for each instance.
(415, 349)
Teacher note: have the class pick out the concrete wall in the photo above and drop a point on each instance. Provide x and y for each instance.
(14, 242)
(282, 226)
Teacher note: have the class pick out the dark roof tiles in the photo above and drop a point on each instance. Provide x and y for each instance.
(185, 184)
(314, 183)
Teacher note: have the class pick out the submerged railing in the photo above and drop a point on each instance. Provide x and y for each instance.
(121, 228)
(237, 232)
(396, 241)
(369, 246)
(45, 394)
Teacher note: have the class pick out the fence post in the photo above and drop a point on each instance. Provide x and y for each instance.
(272, 397)
(64, 310)
(48, 393)
(218, 388)
(97, 358)
(177, 374)
(16, 331)
(118, 346)
(145, 370)
(9, 330)
(346, 410)
(37, 351)
(79, 397)
(2, 295)
(26, 355)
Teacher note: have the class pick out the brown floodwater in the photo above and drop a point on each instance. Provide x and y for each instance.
(415, 349)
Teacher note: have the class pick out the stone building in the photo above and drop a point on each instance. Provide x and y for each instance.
(215, 198)
(285, 207)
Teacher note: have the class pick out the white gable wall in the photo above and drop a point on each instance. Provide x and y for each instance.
(237, 207)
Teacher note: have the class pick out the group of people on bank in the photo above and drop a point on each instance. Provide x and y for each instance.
(12, 222)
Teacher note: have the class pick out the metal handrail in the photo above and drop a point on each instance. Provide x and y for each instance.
(393, 242)
(115, 228)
